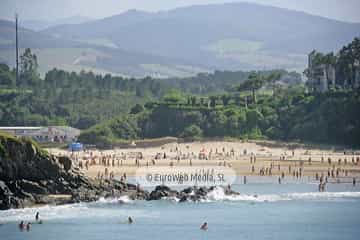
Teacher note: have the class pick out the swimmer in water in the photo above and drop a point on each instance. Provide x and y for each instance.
(204, 226)
(21, 225)
(130, 220)
(28, 226)
(37, 217)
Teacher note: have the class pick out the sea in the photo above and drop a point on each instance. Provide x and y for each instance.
(264, 210)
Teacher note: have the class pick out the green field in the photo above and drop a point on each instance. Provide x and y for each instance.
(104, 42)
(163, 71)
(251, 55)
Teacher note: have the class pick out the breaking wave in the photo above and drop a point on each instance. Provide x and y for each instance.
(109, 208)
(219, 195)
(121, 200)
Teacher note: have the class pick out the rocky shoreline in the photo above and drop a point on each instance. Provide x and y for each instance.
(30, 176)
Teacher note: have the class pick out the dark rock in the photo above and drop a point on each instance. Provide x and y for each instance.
(4, 190)
(31, 187)
(162, 192)
(188, 190)
(162, 188)
(66, 162)
(131, 186)
(183, 198)
(156, 195)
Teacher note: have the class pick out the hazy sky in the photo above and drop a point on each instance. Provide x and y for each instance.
(347, 10)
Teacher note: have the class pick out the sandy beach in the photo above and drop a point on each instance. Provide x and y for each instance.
(245, 158)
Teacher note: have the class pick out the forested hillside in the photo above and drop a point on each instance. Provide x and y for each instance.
(287, 114)
(85, 99)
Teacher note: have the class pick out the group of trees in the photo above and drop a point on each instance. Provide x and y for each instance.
(68, 98)
(84, 99)
(287, 114)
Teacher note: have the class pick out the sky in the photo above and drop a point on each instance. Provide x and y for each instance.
(345, 10)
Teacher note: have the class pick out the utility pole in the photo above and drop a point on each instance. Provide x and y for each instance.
(17, 49)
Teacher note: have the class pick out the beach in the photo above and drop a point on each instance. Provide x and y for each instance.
(262, 158)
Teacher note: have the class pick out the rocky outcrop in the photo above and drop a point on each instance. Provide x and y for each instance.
(192, 194)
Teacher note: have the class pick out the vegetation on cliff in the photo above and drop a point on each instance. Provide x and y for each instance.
(290, 114)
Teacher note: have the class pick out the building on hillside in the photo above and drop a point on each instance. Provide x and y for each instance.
(322, 73)
(61, 134)
(321, 77)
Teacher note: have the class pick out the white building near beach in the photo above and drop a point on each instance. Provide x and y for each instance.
(61, 134)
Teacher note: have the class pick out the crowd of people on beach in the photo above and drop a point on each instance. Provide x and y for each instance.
(292, 165)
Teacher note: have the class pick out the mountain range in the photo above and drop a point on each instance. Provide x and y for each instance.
(188, 40)
(38, 24)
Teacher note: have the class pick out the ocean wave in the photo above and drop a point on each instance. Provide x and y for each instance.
(101, 208)
(46, 212)
(218, 194)
(120, 200)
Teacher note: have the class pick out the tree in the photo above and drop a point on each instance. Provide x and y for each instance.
(28, 68)
(225, 99)
(137, 109)
(237, 99)
(173, 96)
(213, 101)
(193, 101)
(254, 82)
(192, 131)
(6, 76)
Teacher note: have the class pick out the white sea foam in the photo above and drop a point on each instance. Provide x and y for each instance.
(78, 210)
(218, 194)
(46, 212)
(121, 200)
(100, 208)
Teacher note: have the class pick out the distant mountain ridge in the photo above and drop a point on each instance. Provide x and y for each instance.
(232, 36)
(38, 25)
(72, 55)
(185, 32)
